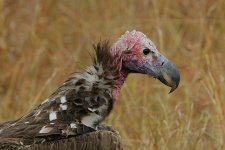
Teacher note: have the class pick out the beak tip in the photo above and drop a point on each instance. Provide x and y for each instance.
(175, 84)
(172, 89)
(170, 76)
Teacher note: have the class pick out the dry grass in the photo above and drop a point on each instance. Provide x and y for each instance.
(42, 42)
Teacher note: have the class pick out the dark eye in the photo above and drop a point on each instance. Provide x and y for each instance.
(146, 51)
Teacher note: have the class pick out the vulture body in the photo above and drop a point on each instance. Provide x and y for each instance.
(82, 102)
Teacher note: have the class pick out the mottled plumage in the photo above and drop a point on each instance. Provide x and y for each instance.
(82, 102)
(75, 107)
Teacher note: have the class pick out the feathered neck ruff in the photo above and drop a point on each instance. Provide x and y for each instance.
(111, 62)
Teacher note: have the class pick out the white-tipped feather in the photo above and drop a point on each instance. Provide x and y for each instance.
(63, 99)
(63, 106)
(73, 125)
(91, 119)
(45, 129)
(52, 116)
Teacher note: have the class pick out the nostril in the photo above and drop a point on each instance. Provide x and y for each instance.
(162, 63)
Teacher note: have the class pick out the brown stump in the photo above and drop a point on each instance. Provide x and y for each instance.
(98, 140)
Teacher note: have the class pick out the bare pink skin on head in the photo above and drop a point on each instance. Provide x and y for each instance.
(130, 42)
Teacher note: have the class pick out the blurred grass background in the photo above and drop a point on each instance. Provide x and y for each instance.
(43, 42)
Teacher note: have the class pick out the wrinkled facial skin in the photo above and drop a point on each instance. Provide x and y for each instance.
(142, 56)
(136, 60)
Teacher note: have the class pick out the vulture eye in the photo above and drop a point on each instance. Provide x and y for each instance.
(146, 51)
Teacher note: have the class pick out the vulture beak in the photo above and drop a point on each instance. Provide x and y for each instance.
(167, 73)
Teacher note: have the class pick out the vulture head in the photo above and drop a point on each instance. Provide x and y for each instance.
(139, 55)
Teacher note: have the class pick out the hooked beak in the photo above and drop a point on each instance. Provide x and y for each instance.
(164, 70)
(167, 73)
